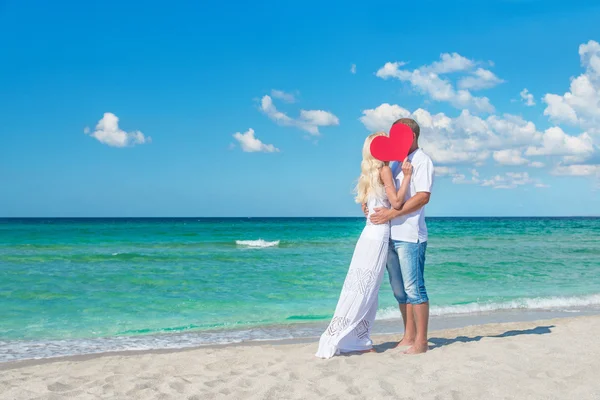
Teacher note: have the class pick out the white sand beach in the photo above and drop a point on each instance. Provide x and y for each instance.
(551, 359)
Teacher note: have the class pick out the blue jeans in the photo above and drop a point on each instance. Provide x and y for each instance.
(406, 267)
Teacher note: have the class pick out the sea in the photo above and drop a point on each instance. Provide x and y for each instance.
(95, 285)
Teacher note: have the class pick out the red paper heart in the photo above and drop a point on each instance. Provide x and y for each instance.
(394, 147)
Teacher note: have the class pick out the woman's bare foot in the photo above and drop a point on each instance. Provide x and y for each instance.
(417, 348)
(368, 351)
(405, 342)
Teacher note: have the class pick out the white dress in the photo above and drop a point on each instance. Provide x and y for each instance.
(350, 327)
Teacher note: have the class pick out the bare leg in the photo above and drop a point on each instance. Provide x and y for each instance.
(421, 320)
(409, 325)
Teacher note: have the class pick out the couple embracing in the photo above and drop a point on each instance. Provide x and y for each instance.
(395, 236)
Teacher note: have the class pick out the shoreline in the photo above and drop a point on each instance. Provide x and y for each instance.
(496, 360)
(382, 328)
(292, 333)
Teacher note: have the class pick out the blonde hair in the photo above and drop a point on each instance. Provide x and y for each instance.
(369, 181)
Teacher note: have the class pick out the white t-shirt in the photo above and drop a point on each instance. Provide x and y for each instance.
(412, 227)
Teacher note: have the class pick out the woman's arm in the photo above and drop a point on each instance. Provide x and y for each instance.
(396, 198)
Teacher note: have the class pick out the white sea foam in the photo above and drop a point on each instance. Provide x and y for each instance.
(257, 243)
(537, 303)
(13, 350)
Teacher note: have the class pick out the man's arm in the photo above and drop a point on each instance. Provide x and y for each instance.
(423, 181)
(383, 215)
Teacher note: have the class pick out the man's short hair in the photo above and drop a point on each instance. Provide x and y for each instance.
(412, 124)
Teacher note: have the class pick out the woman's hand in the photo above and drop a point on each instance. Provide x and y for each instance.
(407, 168)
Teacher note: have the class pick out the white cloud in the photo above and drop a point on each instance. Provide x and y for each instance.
(444, 171)
(309, 120)
(512, 130)
(108, 132)
(457, 178)
(510, 157)
(281, 95)
(580, 106)
(269, 108)
(450, 141)
(556, 142)
(461, 179)
(527, 97)
(577, 170)
(382, 117)
(469, 139)
(463, 139)
(559, 110)
(514, 157)
(251, 144)
(353, 69)
(318, 118)
(511, 180)
(450, 63)
(481, 79)
(427, 81)
(389, 69)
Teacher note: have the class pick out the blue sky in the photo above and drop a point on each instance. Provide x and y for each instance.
(184, 77)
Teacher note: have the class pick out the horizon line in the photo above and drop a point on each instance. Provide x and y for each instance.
(299, 217)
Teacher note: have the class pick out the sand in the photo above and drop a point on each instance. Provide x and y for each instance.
(553, 359)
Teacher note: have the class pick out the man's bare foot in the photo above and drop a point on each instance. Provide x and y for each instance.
(405, 342)
(417, 348)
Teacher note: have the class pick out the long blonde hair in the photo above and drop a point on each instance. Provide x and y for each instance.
(369, 181)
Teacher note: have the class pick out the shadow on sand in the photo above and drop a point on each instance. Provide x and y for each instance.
(440, 342)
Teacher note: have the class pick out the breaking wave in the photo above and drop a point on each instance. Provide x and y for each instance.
(257, 243)
(537, 303)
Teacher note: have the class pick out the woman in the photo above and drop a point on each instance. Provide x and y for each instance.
(350, 328)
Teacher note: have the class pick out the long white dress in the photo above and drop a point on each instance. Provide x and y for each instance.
(350, 327)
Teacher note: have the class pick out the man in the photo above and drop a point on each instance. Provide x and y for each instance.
(408, 242)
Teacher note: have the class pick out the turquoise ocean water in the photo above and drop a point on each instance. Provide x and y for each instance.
(70, 286)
